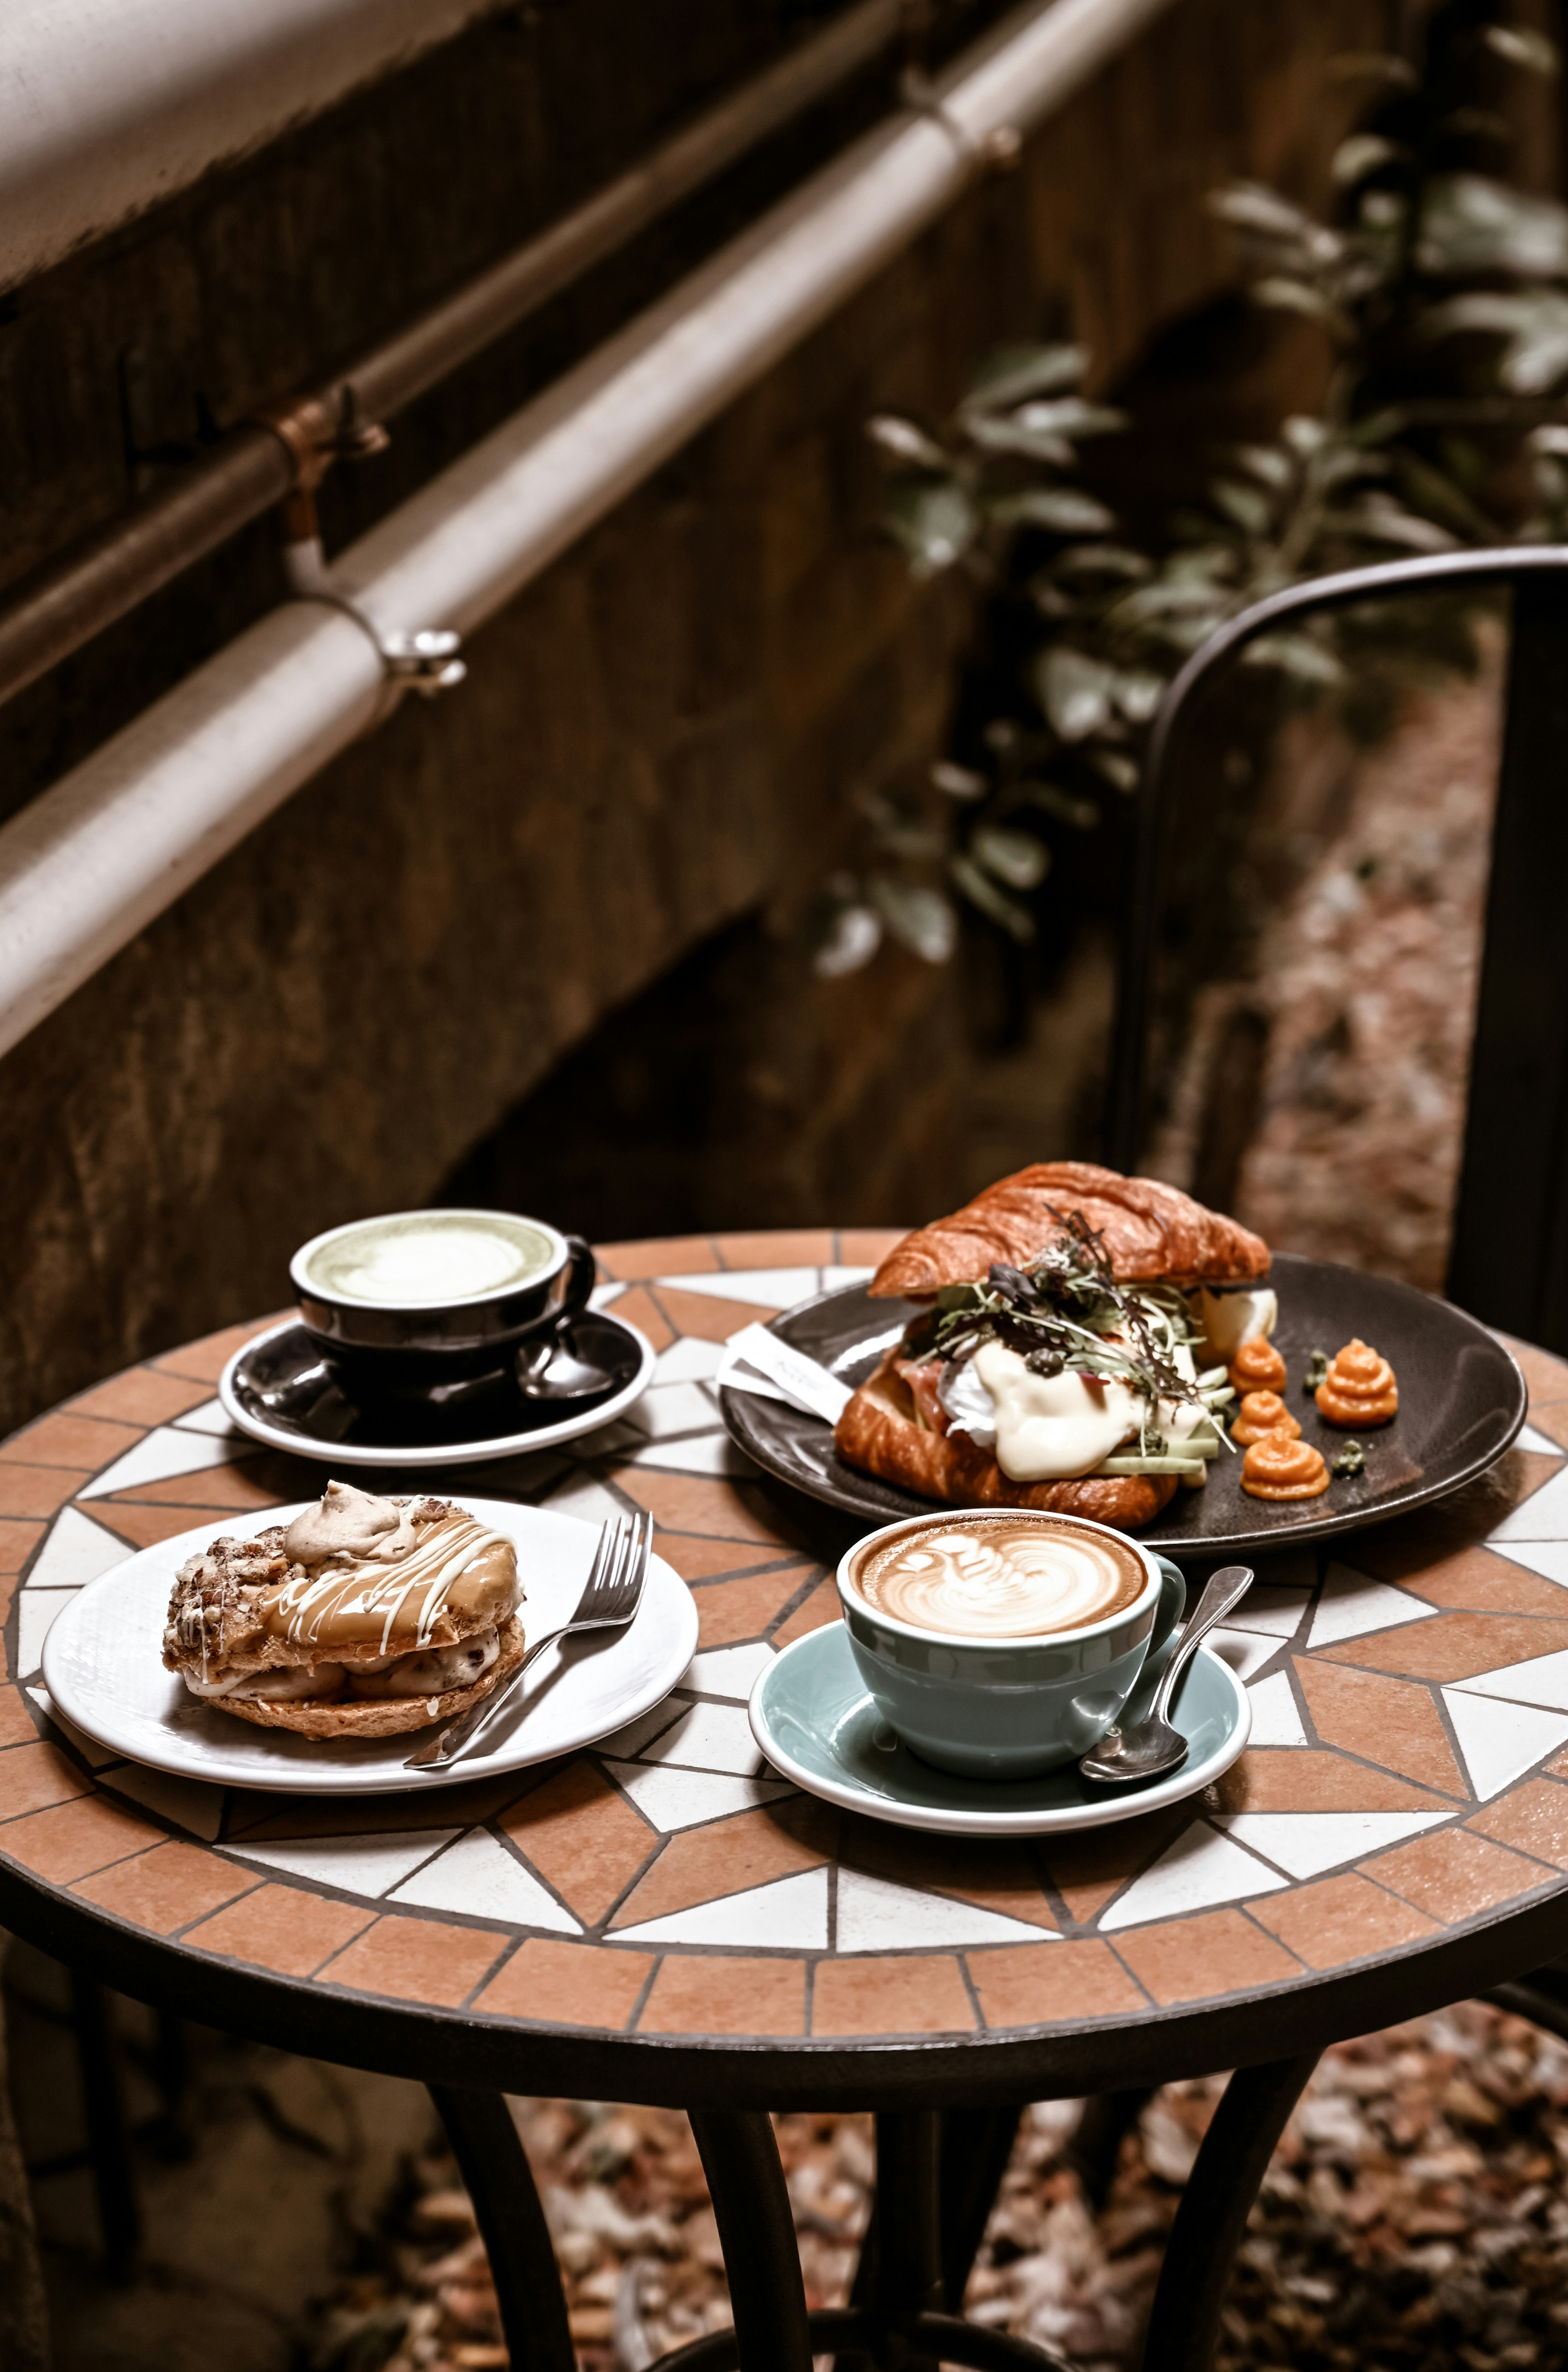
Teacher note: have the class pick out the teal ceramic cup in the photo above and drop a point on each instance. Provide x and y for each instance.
(1007, 1708)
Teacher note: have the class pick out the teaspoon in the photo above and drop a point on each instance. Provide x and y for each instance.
(546, 1370)
(1148, 1748)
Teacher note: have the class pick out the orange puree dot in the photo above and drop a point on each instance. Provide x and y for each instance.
(1258, 1366)
(1278, 1466)
(1359, 1388)
(1262, 1413)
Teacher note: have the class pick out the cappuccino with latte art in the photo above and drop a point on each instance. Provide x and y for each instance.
(999, 1576)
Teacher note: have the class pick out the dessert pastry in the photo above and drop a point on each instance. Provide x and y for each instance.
(363, 1617)
(1278, 1466)
(1258, 1366)
(1359, 1388)
(1262, 1413)
(1058, 1364)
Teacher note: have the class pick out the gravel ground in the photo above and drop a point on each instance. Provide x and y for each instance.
(1414, 2215)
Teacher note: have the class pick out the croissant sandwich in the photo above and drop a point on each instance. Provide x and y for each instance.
(363, 1617)
(1070, 1350)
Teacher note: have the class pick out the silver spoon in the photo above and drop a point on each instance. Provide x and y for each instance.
(1148, 1748)
(546, 1370)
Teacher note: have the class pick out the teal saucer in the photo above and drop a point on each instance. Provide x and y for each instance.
(812, 1718)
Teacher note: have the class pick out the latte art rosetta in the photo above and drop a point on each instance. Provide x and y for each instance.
(1000, 1579)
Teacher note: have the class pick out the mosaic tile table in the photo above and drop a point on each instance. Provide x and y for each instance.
(660, 1919)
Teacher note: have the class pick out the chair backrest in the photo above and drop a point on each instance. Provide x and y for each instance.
(1508, 1263)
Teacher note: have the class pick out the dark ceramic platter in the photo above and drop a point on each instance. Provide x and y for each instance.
(1461, 1402)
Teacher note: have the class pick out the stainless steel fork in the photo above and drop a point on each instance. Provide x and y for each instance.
(610, 1596)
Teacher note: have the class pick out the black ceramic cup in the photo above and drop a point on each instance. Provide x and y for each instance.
(416, 1304)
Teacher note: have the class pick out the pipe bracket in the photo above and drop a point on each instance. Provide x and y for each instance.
(424, 659)
(997, 151)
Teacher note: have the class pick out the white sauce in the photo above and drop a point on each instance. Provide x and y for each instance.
(1051, 1427)
(1229, 1320)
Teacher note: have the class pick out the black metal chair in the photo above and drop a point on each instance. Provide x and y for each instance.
(1509, 1259)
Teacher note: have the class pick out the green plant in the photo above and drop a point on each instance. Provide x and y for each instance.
(1441, 293)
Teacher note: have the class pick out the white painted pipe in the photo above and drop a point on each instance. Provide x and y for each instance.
(109, 106)
(95, 858)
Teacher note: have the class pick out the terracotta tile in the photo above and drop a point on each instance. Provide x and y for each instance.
(743, 1610)
(1001, 1877)
(1546, 1377)
(168, 1888)
(658, 1256)
(702, 1314)
(1473, 1578)
(1452, 1874)
(1039, 1984)
(1453, 1647)
(867, 1247)
(1394, 1723)
(691, 1503)
(9, 1587)
(17, 1542)
(284, 1928)
(1552, 1420)
(1196, 1960)
(70, 1840)
(63, 1439)
(417, 1960)
(583, 1835)
(224, 1489)
(814, 1614)
(1088, 1868)
(1521, 1472)
(142, 1396)
(639, 1309)
(145, 1526)
(1314, 1779)
(34, 1775)
(909, 1994)
(39, 1490)
(1335, 1920)
(17, 1727)
(696, 1558)
(695, 1993)
(1534, 1818)
(747, 1849)
(776, 1248)
(205, 1359)
(568, 1985)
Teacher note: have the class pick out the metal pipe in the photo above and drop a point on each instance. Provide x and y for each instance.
(91, 861)
(102, 577)
(105, 112)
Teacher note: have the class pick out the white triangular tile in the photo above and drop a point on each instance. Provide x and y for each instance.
(478, 1875)
(1501, 1742)
(1547, 1558)
(835, 1276)
(1351, 1605)
(94, 1755)
(765, 1288)
(76, 1551)
(588, 1501)
(633, 1737)
(1245, 1651)
(368, 1865)
(1540, 1444)
(789, 1914)
(1276, 1612)
(191, 1804)
(727, 1671)
(1276, 1717)
(1202, 1868)
(36, 1611)
(603, 1295)
(709, 1737)
(210, 1417)
(1543, 1516)
(668, 1409)
(689, 1361)
(165, 1452)
(612, 1441)
(675, 1800)
(1539, 1681)
(874, 1916)
(1305, 1843)
(699, 1453)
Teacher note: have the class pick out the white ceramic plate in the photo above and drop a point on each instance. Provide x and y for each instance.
(103, 1667)
(814, 1720)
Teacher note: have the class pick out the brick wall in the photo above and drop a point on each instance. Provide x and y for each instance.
(656, 740)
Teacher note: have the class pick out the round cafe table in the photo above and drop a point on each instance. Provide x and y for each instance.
(660, 1919)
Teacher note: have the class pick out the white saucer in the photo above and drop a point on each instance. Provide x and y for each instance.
(812, 1718)
(103, 1667)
